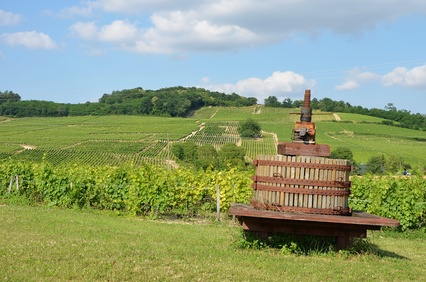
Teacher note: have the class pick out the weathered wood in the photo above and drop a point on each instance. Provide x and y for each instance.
(301, 149)
(342, 227)
(308, 183)
(358, 217)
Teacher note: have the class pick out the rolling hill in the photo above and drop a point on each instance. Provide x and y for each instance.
(115, 139)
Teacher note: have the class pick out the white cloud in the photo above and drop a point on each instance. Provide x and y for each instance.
(120, 31)
(216, 25)
(279, 84)
(172, 34)
(415, 77)
(29, 39)
(117, 31)
(87, 31)
(355, 77)
(8, 18)
(348, 85)
(399, 76)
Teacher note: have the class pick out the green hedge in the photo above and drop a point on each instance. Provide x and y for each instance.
(398, 197)
(129, 189)
(155, 190)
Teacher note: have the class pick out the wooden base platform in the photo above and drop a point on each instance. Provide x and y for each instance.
(343, 228)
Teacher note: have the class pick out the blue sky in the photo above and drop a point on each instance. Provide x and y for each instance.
(365, 52)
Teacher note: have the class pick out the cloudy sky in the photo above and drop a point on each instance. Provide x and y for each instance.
(365, 52)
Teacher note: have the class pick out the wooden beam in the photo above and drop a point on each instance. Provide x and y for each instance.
(343, 228)
(302, 149)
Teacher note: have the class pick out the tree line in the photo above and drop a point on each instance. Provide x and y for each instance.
(390, 113)
(172, 102)
(181, 101)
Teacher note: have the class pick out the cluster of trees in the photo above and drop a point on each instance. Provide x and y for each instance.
(393, 116)
(174, 102)
(9, 96)
(249, 129)
(377, 165)
(206, 157)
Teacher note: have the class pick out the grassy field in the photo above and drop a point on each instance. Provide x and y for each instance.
(46, 244)
(115, 139)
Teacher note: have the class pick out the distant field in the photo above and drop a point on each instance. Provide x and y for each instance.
(115, 139)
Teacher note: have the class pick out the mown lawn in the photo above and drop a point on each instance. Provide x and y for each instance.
(49, 244)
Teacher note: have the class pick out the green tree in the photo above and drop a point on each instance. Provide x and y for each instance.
(396, 164)
(376, 164)
(207, 157)
(272, 101)
(249, 128)
(231, 154)
(9, 96)
(287, 103)
(342, 153)
(186, 151)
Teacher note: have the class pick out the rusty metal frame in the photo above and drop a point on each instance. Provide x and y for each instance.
(304, 165)
(303, 182)
(262, 187)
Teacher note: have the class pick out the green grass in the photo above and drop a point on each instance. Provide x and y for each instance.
(46, 244)
(146, 136)
(57, 133)
(358, 118)
(366, 140)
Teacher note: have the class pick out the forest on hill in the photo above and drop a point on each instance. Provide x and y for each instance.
(393, 116)
(182, 101)
(170, 102)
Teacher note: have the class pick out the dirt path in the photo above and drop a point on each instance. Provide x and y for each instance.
(274, 135)
(257, 110)
(214, 113)
(29, 147)
(6, 120)
(337, 117)
(25, 147)
(202, 126)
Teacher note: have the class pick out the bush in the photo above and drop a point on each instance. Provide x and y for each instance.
(145, 190)
(231, 155)
(399, 197)
(249, 128)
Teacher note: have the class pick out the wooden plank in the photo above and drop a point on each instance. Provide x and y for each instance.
(303, 228)
(332, 177)
(297, 176)
(301, 149)
(357, 218)
(287, 175)
(308, 176)
(282, 172)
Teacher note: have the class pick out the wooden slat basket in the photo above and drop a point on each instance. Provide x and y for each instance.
(302, 184)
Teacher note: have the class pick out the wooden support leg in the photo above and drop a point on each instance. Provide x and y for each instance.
(343, 243)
